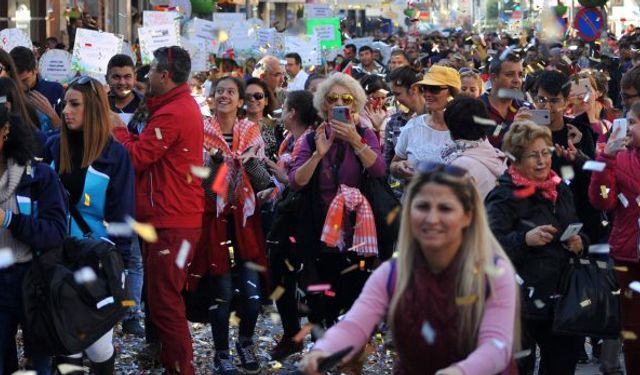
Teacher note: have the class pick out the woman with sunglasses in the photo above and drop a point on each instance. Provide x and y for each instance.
(232, 237)
(329, 167)
(259, 107)
(98, 176)
(449, 297)
(528, 212)
(424, 137)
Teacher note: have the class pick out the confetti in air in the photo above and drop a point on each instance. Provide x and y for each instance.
(428, 333)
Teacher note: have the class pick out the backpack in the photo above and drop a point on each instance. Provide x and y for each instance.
(62, 316)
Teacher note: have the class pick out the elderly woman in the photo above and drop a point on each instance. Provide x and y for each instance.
(424, 137)
(331, 165)
(443, 244)
(471, 149)
(528, 212)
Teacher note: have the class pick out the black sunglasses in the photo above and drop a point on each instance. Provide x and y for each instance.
(256, 96)
(83, 80)
(429, 167)
(432, 89)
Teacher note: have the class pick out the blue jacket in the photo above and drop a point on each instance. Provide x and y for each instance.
(53, 91)
(108, 193)
(42, 220)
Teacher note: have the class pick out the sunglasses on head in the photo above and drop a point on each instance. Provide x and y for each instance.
(83, 80)
(432, 89)
(256, 96)
(332, 98)
(468, 71)
(428, 167)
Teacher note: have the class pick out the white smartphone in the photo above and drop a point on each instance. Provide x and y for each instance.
(619, 128)
(540, 116)
(571, 230)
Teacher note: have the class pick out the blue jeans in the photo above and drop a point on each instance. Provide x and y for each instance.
(247, 282)
(12, 314)
(135, 278)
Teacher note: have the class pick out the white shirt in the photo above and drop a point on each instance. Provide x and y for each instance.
(420, 142)
(298, 82)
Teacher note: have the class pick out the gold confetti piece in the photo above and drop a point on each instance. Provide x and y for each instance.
(255, 267)
(362, 265)
(521, 354)
(302, 333)
(66, 368)
(189, 179)
(585, 303)
(277, 293)
(428, 333)
(200, 172)
(275, 365)
(391, 216)
(629, 335)
(352, 267)
(234, 320)
(466, 300)
(289, 265)
(493, 270)
(604, 192)
(158, 134)
(146, 231)
(87, 200)
(621, 268)
(128, 303)
(275, 318)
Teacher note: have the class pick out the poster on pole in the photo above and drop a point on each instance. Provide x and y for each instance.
(92, 51)
(327, 30)
(55, 65)
(308, 46)
(317, 11)
(11, 38)
(154, 37)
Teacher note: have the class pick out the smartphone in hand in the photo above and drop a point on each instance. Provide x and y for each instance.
(540, 116)
(341, 113)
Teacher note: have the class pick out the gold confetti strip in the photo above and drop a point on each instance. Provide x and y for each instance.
(391, 216)
(629, 335)
(352, 267)
(289, 265)
(621, 268)
(128, 303)
(234, 320)
(277, 293)
(466, 300)
(67, 368)
(521, 354)
(255, 267)
(146, 231)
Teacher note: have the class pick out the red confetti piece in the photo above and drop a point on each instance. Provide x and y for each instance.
(329, 293)
(525, 192)
(292, 239)
(219, 183)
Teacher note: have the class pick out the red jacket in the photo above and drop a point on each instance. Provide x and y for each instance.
(620, 176)
(167, 195)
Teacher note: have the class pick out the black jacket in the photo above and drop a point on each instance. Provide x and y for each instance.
(539, 268)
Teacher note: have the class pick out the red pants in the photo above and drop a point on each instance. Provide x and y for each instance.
(164, 283)
(630, 315)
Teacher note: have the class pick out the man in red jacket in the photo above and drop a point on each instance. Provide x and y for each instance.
(169, 197)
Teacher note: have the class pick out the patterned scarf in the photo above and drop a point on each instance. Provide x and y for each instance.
(365, 240)
(285, 158)
(547, 187)
(245, 135)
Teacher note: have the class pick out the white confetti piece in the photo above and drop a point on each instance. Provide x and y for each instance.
(498, 343)
(567, 172)
(539, 304)
(531, 291)
(181, 259)
(200, 172)
(521, 354)
(638, 200)
(66, 368)
(623, 200)
(255, 266)
(428, 333)
(84, 275)
(519, 280)
(250, 283)
(635, 286)
(601, 248)
(7, 258)
(493, 270)
(164, 252)
(510, 94)
(585, 303)
(595, 166)
(158, 134)
(497, 130)
(484, 121)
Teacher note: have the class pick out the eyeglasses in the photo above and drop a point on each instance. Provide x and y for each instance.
(83, 80)
(332, 98)
(541, 155)
(428, 167)
(256, 96)
(432, 89)
(544, 100)
(625, 96)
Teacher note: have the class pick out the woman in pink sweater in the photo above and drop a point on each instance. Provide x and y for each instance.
(449, 297)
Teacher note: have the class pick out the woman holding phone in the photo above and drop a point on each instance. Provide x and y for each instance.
(330, 165)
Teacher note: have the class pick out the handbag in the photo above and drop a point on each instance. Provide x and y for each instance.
(383, 202)
(589, 304)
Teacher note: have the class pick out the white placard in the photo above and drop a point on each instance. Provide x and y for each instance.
(317, 11)
(307, 46)
(198, 53)
(55, 65)
(359, 42)
(325, 32)
(155, 18)
(127, 50)
(266, 37)
(228, 19)
(11, 38)
(242, 37)
(92, 51)
(206, 31)
(154, 37)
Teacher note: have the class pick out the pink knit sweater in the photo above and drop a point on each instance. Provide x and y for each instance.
(495, 338)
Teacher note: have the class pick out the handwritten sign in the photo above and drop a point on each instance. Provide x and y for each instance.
(154, 37)
(327, 30)
(55, 65)
(92, 51)
(11, 38)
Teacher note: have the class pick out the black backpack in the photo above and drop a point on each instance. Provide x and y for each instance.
(62, 316)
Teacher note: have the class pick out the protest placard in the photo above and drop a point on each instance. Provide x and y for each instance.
(155, 18)
(55, 65)
(307, 46)
(317, 11)
(11, 38)
(92, 51)
(154, 37)
(327, 30)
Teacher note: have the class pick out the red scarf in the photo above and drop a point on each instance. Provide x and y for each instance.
(245, 135)
(285, 158)
(547, 188)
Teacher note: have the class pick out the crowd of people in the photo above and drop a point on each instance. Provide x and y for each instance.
(265, 184)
